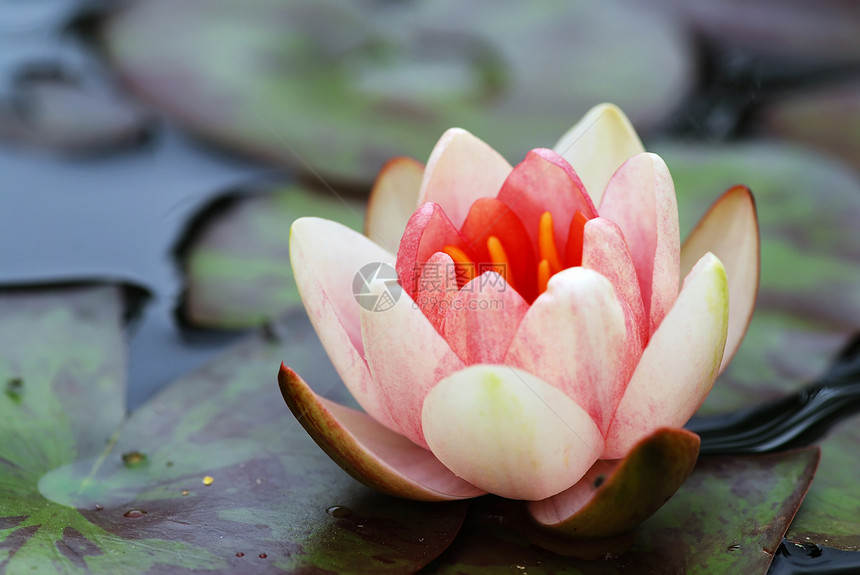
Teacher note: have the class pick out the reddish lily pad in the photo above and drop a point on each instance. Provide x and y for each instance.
(808, 301)
(212, 475)
(800, 31)
(341, 89)
(237, 258)
(827, 118)
(729, 517)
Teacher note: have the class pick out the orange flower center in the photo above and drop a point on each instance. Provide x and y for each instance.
(550, 260)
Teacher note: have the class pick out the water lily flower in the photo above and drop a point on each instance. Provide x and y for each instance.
(552, 336)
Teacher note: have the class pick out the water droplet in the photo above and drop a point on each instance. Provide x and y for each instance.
(339, 511)
(208, 480)
(240, 554)
(134, 513)
(734, 547)
(185, 492)
(133, 459)
(262, 555)
(14, 388)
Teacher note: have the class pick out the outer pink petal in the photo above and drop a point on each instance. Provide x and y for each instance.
(597, 146)
(730, 231)
(392, 201)
(605, 251)
(407, 358)
(545, 182)
(369, 452)
(427, 231)
(574, 337)
(640, 198)
(509, 432)
(483, 319)
(324, 278)
(681, 362)
(437, 288)
(461, 169)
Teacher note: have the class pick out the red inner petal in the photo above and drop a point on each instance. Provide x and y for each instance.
(492, 217)
(573, 251)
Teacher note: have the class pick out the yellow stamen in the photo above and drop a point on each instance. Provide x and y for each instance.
(500, 259)
(546, 243)
(464, 265)
(544, 274)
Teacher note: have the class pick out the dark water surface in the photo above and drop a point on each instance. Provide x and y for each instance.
(108, 217)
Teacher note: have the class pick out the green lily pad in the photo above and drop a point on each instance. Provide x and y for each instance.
(729, 517)
(236, 257)
(808, 301)
(831, 513)
(827, 118)
(339, 87)
(212, 475)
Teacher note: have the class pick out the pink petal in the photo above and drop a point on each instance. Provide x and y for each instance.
(483, 318)
(437, 288)
(606, 252)
(369, 452)
(640, 198)
(545, 182)
(681, 362)
(325, 257)
(730, 231)
(597, 146)
(428, 231)
(461, 169)
(574, 337)
(392, 201)
(614, 497)
(509, 432)
(407, 358)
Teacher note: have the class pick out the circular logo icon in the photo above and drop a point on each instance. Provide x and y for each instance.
(375, 287)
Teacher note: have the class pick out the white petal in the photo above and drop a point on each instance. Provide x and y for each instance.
(325, 256)
(509, 433)
(393, 199)
(574, 337)
(730, 231)
(597, 146)
(461, 169)
(681, 362)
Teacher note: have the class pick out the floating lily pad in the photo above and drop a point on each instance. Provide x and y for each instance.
(212, 475)
(53, 110)
(341, 87)
(827, 118)
(236, 256)
(808, 302)
(831, 514)
(799, 31)
(729, 517)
